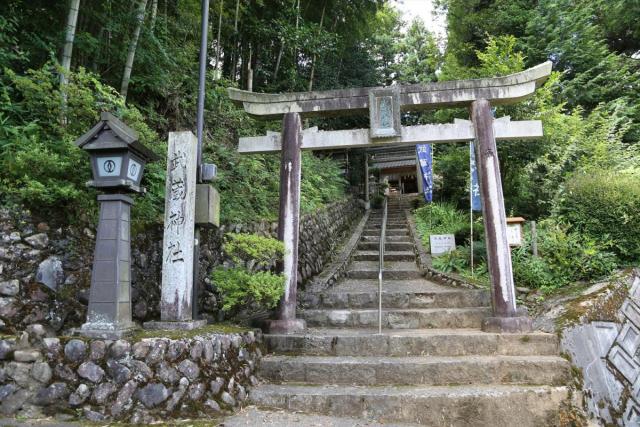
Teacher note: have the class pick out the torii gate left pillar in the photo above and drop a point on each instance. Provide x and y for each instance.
(289, 223)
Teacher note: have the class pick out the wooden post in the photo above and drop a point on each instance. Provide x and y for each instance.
(506, 317)
(534, 239)
(288, 223)
(367, 204)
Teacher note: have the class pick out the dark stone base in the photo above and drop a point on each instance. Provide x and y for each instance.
(286, 326)
(186, 325)
(507, 324)
(87, 330)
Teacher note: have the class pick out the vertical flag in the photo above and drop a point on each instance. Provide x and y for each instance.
(476, 203)
(425, 157)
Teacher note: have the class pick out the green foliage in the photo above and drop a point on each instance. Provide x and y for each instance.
(453, 262)
(377, 200)
(40, 166)
(445, 218)
(564, 257)
(605, 206)
(242, 247)
(240, 287)
(322, 182)
(419, 56)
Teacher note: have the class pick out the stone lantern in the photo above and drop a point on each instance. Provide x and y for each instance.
(117, 163)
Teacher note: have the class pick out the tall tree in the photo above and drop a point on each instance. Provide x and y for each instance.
(70, 34)
(131, 54)
(315, 55)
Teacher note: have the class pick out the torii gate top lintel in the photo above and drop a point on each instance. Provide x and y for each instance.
(498, 90)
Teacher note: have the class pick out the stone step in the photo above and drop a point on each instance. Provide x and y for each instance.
(393, 270)
(390, 232)
(376, 231)
(459, 406)
(416, 370)
(392, 224)
(411, 342)
(388, 256)
(391, 246)
(388, 239)
(415, 318)
(395, 294)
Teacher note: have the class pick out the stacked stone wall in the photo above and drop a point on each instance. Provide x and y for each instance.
(135, 380)
(45, 269)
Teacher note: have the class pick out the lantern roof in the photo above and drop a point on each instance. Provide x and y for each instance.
(111, 133)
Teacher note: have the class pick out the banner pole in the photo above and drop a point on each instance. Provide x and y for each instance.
(471, 207)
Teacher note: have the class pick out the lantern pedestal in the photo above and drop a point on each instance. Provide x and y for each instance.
(109, 313)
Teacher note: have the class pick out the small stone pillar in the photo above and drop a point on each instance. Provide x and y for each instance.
(288, 223)
(109, 314)
(506, 317)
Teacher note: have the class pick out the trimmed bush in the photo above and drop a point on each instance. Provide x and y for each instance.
(606, 207)
(250, 281)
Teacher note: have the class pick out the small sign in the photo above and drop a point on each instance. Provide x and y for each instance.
(514, 231)
(384, 112)
(442, 243)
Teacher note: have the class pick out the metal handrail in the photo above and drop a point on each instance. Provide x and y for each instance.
(383, 237)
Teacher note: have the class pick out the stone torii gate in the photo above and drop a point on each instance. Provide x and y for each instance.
(384, 106)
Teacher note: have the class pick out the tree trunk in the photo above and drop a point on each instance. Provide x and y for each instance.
(313, 61)
(234, 55)
(72, 20)
(154, 13)
(250, 70)
(275, 73)
(131, 54)
(218, 41)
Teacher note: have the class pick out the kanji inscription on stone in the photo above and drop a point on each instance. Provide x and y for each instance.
(179, 223)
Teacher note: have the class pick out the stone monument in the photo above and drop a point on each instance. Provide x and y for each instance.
(178, 247)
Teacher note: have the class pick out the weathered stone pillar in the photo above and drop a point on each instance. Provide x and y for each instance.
(288, 223)
(506, 317)
(109, 314)
(176, 300)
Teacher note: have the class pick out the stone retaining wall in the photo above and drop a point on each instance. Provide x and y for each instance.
(136, 380)
(45, 269)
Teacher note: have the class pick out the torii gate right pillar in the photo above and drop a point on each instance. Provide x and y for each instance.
(506, 316)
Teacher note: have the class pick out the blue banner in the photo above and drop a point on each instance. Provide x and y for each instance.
(425, 158)
(476, 202)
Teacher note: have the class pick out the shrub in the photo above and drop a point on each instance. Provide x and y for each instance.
(238, 286)
(249, 281)
(564, 257)
(453, 262)
(444, 218)
(262, 251)
(376, 201)
(606, 207)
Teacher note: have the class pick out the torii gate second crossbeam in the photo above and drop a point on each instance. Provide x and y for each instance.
(384, 106)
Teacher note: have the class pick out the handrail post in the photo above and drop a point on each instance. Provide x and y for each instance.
(383, 236)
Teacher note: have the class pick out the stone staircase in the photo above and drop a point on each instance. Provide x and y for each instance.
(431, 366)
